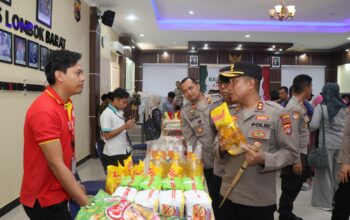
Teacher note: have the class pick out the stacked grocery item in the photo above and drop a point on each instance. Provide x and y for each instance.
(171, 124)
(169, 184)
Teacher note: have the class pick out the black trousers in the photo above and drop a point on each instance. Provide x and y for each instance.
(113, 160)
(341, 210)
(232, 211)
(54, 212)
(217, 198)
(209, 177)
(291, 186)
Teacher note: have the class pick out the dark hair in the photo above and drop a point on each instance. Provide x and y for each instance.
(300, 83)
(284, 88)
(223, 79)
(119, 93)
(171, 94)
(274, 95)
(59, 60)
(190, 78)
(104, 97)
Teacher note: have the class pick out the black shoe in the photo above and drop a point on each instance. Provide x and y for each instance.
(294, 217)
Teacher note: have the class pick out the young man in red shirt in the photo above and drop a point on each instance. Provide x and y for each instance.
(49, 164)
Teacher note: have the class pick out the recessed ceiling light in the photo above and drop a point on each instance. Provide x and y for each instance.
(133, 47)
(131, 17)
(273, 46)
(142, 35)
(348, 38)
(191, 12)
(205, 45)
(247, 36)
(239, 45)
(347, 50)
(192, 48)
(165, 53)
(280, 49)
(270, 49)
(303, 55)
(238, 48)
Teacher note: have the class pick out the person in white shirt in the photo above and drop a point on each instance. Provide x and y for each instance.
(113, 127)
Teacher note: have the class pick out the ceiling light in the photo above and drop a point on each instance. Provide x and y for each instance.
(247, 36)
(347, 50)
(142, 35)
(205, 45)
(165, 53)
(131, 17)
(270, 49)
(273, 46)
(239, 45)
(192, 48)
(348, 38)
(238, 48)
(280, 49)
(282, 12)
(133, 47)
(303, 55)
(191, 12)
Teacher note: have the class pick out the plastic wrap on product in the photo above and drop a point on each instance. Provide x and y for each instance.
(172, 183)
(193, 183)
(133, 182)
(198, 205)
(151, 182)
(125, 192)
(148, 199)
(171, 203)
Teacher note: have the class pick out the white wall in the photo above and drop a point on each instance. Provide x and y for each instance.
(15, 103)
(344, 78)
(316, 72)
(161, 78)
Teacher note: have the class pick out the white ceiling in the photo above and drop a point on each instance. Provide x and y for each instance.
(166, 24)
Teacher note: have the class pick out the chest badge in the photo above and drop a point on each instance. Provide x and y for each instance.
(258, 134)
(200, 130)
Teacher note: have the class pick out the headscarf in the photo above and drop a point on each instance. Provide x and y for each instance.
(152, 103)
(331, 98)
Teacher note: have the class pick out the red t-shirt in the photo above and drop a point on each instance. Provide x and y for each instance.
(47, 119)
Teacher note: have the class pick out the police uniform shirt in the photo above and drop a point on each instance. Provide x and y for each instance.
(299, 113)
(344, 153)
(271, 126)
(196, 127)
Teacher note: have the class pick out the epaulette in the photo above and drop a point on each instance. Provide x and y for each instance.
(215, 98)
(274, 104)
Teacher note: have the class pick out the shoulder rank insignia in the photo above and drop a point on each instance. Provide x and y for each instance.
(209, 101)
(295, 114)
(260, 106)
(286, 123)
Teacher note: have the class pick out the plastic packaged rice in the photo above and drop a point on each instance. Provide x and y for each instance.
(171, 203)
(125, 192)
(148, 199)
(198, 205)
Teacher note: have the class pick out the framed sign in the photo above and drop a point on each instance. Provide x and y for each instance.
(44, 12)
(44, 52)
(275, 62)
(33, 54)
(7, 2)
(5, 46)
(193, 60)
(20, 50)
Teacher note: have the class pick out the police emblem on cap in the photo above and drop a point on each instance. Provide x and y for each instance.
(232, 67)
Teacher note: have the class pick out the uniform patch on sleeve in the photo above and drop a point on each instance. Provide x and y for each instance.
(295, 114)
(286, 124)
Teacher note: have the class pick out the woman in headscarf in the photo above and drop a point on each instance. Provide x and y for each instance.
(153, 118)
(331, 115)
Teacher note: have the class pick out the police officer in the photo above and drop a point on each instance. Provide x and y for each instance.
(254, 196)
(341, 209)
(196, 127)
(292, 178)
(219, 164)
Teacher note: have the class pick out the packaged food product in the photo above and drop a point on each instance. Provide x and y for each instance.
(138, 169)
(194, 166)
(198, 205)
(125, 192)
(148, 199)
(172, 183)
(131, 181)
(193, 183)
(114, 176)
(151, 182)
(231, 135)
(171, 203)
(128, 166)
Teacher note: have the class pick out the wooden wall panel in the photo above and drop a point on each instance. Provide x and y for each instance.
(149, 57)
(331, 74)
(275, 75)
(288, 59)
(181, 58)
(261, 58)
(165, 57)
(193, 72)
(207, 58)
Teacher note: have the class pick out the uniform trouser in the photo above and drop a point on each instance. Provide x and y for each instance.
(209, 177)
(341, 210)
(233, 211)
(54, 212)
(217, 198)
(291, 186)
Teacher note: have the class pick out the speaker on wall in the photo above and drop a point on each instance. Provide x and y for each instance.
(108, 18)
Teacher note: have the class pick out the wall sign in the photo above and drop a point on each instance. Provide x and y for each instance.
(22, 25)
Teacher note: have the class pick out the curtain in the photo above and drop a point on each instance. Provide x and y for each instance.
(266, 82)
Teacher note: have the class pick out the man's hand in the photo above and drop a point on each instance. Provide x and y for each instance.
(297, 168)
(252, 156)
(130, 124)
(344, 173)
